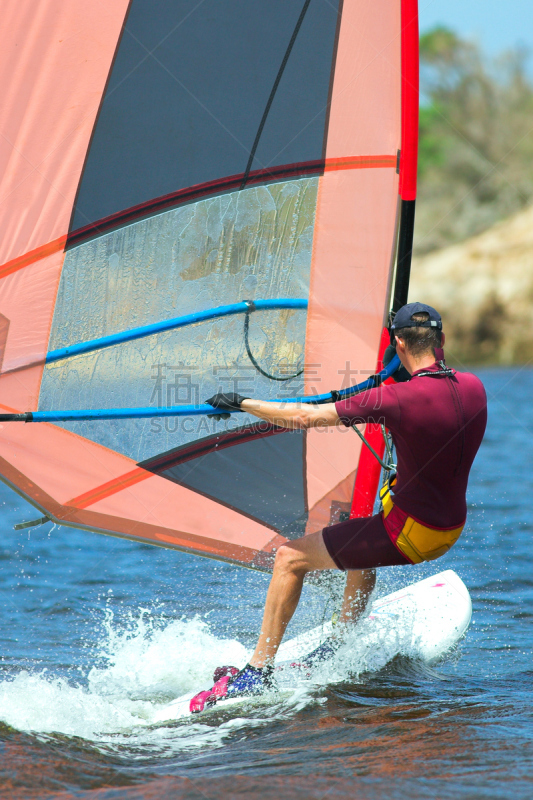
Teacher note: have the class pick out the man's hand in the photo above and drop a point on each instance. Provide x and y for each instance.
(229, 401)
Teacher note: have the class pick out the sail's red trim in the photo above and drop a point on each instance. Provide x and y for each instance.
(9, 409)
(359, 162)
(191, 193)
(226, 184)
(32, 256)
(410, 93)
(109, 488)
(209, 444)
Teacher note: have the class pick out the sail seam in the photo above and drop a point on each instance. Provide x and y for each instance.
(273, 92)
(109, 488)
(44, 250)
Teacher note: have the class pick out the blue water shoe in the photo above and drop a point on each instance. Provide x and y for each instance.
(251, 681)
(322, 653)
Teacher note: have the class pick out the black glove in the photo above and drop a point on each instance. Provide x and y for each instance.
(229, 401)
(401, 373)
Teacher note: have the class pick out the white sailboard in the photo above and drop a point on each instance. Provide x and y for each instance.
(424, 620)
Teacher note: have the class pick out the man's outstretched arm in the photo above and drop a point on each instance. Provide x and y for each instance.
(286, 415)
(293, 415)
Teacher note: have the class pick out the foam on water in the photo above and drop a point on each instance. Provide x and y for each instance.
(141, 667)
(368, 647)
(160, 660)
(138, 671)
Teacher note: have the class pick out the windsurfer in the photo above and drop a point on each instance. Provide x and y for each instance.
(437, 421)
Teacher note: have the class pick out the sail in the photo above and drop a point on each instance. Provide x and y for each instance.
(198, 198)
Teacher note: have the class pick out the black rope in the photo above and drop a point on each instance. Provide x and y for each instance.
(387, 467)
(251, 307)
(273, 93)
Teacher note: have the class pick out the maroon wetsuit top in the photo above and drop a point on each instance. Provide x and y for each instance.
(437, 424)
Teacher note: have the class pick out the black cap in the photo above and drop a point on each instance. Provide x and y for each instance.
(404, 317)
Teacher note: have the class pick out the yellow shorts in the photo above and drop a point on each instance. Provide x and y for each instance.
(416, 541)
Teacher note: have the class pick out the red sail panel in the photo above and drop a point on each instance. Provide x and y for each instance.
(355, 232)
(369, 471)
(410, 100)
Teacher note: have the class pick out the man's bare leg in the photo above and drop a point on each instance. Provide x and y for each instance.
(293, 561)
(359, 586)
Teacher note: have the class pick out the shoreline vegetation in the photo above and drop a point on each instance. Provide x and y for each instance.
(473, 248)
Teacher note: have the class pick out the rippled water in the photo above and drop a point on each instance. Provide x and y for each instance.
(98, 634)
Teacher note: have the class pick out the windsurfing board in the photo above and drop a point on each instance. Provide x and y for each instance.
(424, 620)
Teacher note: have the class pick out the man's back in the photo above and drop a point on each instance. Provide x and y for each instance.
(437, 424)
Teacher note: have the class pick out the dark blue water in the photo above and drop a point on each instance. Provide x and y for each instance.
(98, 632)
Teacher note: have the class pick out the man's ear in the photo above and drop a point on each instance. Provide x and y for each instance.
(442, 339)
(399, 344)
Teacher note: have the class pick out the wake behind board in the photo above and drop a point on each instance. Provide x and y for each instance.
(423, 620)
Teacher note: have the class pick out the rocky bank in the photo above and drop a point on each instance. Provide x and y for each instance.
(483, 288)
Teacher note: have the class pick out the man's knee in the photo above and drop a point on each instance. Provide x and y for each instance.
(304, 555)
(290, 559)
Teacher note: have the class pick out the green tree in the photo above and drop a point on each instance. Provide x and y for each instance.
(476, 139)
